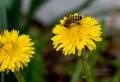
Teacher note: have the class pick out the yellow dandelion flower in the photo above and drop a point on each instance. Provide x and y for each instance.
(15, 51)
(81, 34)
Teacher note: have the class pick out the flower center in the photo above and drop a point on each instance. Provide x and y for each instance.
(8, 46)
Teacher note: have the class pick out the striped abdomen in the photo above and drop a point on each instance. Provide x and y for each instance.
(72, 19)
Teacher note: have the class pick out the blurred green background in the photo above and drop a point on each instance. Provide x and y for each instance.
(38, 17)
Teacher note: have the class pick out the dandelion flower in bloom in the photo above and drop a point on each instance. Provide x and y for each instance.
(15, 51)
(78, 36)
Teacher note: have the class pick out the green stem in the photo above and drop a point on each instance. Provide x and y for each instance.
(86, 67)
(2, 77)
(19, 77)
(76, 74)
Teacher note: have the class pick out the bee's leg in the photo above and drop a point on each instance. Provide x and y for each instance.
(78, 23)
(67, 26)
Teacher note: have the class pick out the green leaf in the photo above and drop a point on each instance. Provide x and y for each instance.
(36, 70)
(13, 13)
(34, 5)
(3, 17)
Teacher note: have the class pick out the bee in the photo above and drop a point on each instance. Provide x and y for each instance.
(72, 19)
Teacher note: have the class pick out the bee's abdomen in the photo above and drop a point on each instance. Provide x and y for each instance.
(75, 18)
